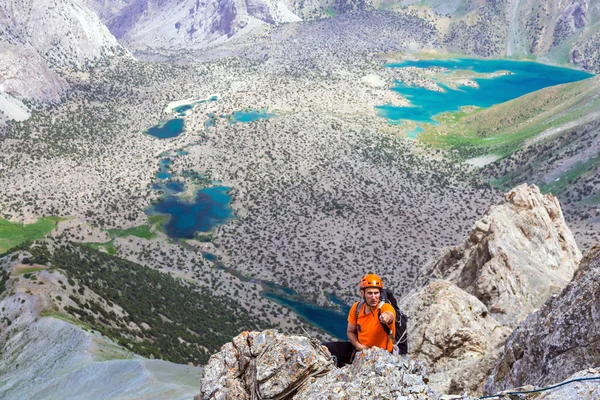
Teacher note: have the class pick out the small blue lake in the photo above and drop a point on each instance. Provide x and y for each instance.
(163, 172)
(249, 116)
(330, 320)
(168, 129)
(524, 77)
(209, 208)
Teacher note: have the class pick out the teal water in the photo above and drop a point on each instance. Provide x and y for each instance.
(181, 110)
(525, 77)
(169, 129)
(171, 187)
(163, 172)
(330, 320)
(413, 133)
(209, 208)
(249, 116)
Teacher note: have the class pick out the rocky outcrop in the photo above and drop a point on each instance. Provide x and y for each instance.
(452, 331)
(270, 365)
(469, 298)
(516, 256)
(560, 339)
(37, 36)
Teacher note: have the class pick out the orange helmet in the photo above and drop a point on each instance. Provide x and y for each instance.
(371, 280)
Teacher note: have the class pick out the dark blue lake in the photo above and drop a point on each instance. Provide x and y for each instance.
(524, 77)
(249, 116)
(168, 129)
(330, 320)
(209, 208)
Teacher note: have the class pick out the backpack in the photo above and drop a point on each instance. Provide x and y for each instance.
(401, 320)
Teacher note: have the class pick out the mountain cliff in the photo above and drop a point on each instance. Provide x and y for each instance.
(39, 37)
(558, 340)
(168, 24)
(470, 297)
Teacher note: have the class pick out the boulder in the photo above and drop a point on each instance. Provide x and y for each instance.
(270, 365)
(470, 297)
(453, 332)
(263, 365)
(560, 339)
(515, 257)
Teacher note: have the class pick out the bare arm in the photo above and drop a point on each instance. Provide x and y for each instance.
(352, 333)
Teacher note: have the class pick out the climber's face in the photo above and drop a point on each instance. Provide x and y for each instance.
(372, 296)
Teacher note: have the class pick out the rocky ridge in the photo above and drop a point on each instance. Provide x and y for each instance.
(164, 24)
(558, 340)
(516, 256)
(270, 365)
(470, 297)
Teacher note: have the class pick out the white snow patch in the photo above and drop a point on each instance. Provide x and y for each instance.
(373, 80)
(12, 108)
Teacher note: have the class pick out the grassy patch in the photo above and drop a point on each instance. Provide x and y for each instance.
(13, 233)
(108, 247)
(504, 128)
(143, 231)
(65, 318)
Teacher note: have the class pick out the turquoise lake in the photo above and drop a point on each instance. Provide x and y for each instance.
(249, 116)
(209, 208)
(525, 77)
(169, 129)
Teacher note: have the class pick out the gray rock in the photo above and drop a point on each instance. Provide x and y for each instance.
(269, 365)
(516, 256)
(452, 331)
(558, 340)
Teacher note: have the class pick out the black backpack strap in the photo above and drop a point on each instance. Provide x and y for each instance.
(358, 307)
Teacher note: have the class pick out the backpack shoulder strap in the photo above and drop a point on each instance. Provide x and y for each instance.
(359, 305)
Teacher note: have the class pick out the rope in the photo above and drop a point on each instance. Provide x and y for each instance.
(595, 378)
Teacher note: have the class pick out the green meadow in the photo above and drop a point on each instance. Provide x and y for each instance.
(13, 233)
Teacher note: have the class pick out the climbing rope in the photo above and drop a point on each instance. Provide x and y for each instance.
(595, 378)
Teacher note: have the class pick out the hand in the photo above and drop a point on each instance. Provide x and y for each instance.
(360, 347)
(386, 318)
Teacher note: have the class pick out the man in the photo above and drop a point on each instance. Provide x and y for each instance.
(366, 329)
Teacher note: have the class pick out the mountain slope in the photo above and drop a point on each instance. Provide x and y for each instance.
(37, 37)
(166, 24)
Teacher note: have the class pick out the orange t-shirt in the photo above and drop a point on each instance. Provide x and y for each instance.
(370, 330)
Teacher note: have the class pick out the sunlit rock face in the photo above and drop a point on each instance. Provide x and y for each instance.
(468, 298)
(38, 36)
(516, 256)
(453, 333)
(558, 340)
